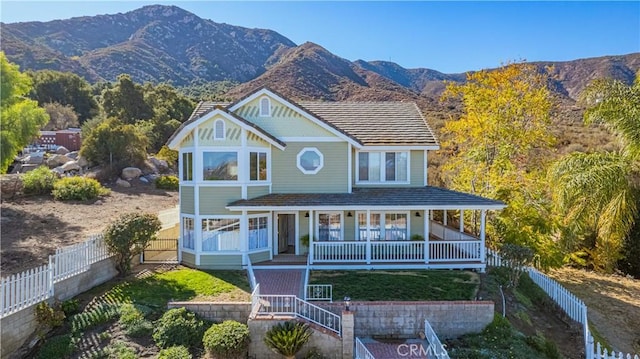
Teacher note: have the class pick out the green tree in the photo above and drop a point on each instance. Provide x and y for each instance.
(115, 144)
(21, 117)
(497, 147)
(125, 101)
(598, 191)
(128, 236)
(67, 89)
(60, 116)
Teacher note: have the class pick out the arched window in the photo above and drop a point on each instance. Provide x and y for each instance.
(218, 130)
(265, 107)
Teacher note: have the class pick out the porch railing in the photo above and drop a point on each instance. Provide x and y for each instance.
(339, 251)
(454, 251)
(397, 251)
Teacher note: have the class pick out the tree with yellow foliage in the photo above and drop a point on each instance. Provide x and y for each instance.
(499, 148)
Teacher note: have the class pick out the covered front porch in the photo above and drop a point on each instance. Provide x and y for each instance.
(424, 227)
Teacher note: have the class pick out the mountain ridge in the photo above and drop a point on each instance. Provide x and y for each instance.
(160, 43)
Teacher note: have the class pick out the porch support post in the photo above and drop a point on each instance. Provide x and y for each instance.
(368, 248)
(444, 217)
(461, 220)
(427, 230)
(271, 236)
(311, 236)
(244, 237)
(483, 251)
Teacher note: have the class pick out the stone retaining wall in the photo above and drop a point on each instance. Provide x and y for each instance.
(406, 319)
(217, 311)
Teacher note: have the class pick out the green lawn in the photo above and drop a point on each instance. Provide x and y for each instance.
(182, 284)
(418, 285)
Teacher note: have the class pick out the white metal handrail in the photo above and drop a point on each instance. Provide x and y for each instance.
(435, 346)
(291, 305)
(319, 292)
(361, 351)
(454, 251)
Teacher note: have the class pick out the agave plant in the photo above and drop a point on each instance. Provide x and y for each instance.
(288, 338)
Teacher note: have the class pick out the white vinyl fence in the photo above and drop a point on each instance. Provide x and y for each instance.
(33, 286)
(570, 304)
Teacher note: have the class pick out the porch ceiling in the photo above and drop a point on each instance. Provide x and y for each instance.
(413, 198)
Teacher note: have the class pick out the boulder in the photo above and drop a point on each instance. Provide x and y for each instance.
(70, 166)
(57, 160)
(130, 173)
(122, 183)
(73, 155)
(61, 150)
(82, 162)
(10, 186)
(144, 179)
(34, 158)
(59, 171)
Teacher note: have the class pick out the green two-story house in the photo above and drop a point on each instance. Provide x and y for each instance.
(343, 183)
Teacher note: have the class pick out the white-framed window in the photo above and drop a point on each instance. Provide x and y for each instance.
(379, 167)
(310, 160)
(330, 226)
(374, 225)
(265, 107)
(187, 166)
(258, 232)
(220, 166)
(188, 236)
(258, 166)
(218, 130)
(220, 234)
(383, 226)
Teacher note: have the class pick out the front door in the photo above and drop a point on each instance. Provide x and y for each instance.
(286, 233)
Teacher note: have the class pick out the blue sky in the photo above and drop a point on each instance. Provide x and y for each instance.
(445, 36)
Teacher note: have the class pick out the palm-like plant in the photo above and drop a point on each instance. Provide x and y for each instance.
(600, 190)
(288, 338)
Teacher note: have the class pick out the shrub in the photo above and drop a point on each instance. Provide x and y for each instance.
(133, 322)
(128, 236)
(229, 339)
(60, 346)
(77, 188)
(288, 338)
(178, 327)
(48, 316)
(115, 144)
(70, 306)
(177, 352)
(170, 183)
(120, 350)
(39, 181)
(168, 155)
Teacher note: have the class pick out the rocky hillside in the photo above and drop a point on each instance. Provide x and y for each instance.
(155, 43)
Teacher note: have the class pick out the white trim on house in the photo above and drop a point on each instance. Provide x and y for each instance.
(349, 168)
(364, 208)
(175, 143)
(311, 139)
(392, 148)
(306, 115)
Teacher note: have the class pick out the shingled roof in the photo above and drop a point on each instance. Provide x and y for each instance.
(405, 197)
(377, 123)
